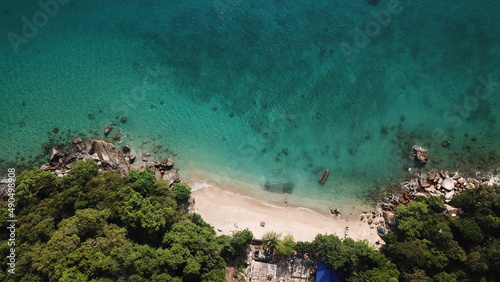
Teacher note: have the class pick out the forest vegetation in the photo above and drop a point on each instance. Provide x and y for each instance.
(93, 225)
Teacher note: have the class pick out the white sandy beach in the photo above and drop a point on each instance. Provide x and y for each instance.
(228, 212)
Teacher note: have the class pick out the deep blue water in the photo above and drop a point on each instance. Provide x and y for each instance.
(258, 91)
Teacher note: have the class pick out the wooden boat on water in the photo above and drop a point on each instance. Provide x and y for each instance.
(324, 176)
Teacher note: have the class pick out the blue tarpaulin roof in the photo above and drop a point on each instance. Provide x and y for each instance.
(324, 274)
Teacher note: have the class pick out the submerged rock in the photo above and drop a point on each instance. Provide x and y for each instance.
(373, 2)
(107, 130)
(401, 135)
(131, 158)
(126, 148)
(446, 143)
(117, 136)
(278, 187)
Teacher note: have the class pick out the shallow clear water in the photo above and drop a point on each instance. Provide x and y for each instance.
(259, 91)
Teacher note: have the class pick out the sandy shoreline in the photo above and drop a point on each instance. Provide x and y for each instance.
(229, 211)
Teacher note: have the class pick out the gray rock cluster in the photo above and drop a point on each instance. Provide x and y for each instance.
(435, 183)
(164, 170)
(420, 154)
(108, 158)
(102, 151)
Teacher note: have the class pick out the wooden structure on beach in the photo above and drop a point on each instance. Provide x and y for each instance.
(324, 176)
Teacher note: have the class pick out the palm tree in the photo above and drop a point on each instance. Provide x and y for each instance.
(270, 240)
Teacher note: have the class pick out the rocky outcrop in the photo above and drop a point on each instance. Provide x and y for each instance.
(420, 154)
(131, 158)
(448, 184)
(164, 170)
(171, 176)
(102, 151)
(107, 156)
(169, 162)
(107, 130)
(126, 149)
(117, 137)
(58, 162)
(389, 218)
(55, 156)
(435, 183)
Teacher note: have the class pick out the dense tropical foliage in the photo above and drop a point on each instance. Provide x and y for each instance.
(430, 245)
(426, 245)
(99, 226)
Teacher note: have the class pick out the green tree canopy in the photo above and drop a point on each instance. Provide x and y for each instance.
(286, 246)
(182, 192)
(240, 240)
(270, 240)
(100, 226)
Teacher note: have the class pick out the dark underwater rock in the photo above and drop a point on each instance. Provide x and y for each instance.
(107, 130)
(279, 187)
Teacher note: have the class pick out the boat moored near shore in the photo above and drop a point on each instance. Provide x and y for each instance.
(324, 176)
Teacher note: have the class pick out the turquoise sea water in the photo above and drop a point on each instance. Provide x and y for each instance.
(269, 93)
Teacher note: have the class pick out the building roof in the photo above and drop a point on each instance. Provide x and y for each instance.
(264, 272)
(323, 274)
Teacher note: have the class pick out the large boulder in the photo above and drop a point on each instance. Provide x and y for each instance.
(171, 176)
(424, 183)
(55, 155)
(420, 154)
(389, 217)
(432, 176)
(170, 162)
(107, 130)
(448, 184)
(109, 157)
(163, 165)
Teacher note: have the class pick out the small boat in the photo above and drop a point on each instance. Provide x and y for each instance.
(324, 176)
